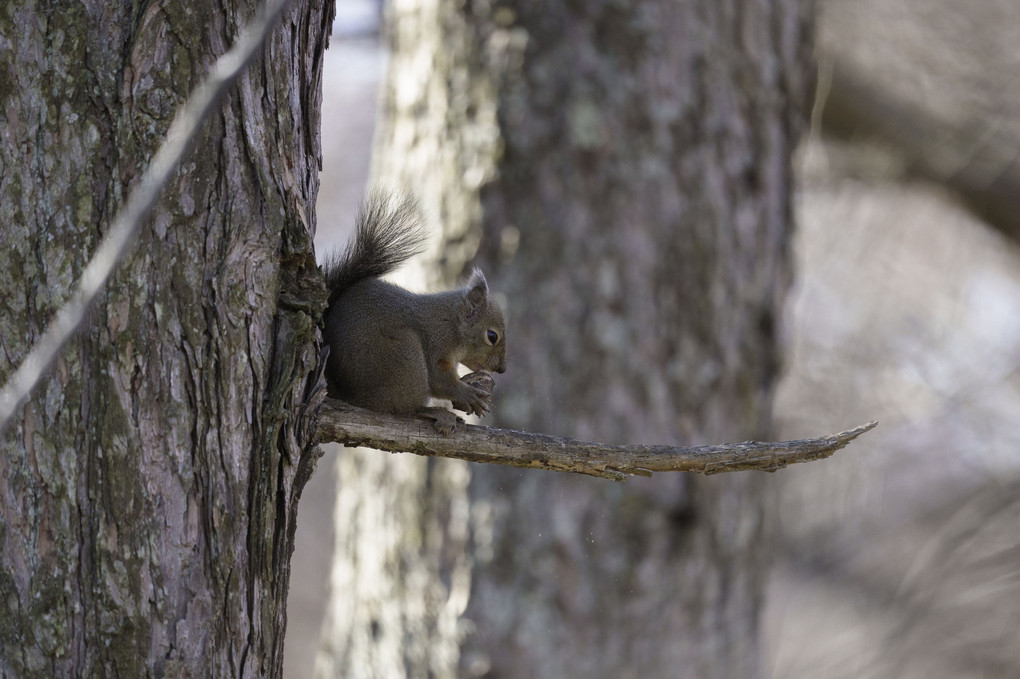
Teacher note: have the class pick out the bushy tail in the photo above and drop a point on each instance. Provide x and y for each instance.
(388, 232)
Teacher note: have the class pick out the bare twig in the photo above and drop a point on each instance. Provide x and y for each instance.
(129, 220)
(342, 423)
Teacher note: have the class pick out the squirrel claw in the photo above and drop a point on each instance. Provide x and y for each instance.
(478, 399)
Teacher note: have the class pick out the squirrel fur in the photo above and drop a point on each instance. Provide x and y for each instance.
(391, 349)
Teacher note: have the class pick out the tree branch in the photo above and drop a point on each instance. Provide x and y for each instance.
(980, 161)
(350, 426)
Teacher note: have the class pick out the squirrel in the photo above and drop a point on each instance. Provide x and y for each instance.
(391, 349)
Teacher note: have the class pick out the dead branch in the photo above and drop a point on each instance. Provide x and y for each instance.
(356, 427)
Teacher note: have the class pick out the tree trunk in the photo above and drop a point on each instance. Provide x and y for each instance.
(148, 489)
(624, 174)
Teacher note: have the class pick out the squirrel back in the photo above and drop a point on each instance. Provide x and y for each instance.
(392, 350)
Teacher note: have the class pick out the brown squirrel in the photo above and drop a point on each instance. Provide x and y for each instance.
(390, 349)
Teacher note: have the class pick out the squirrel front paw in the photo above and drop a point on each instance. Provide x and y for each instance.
(475, 397)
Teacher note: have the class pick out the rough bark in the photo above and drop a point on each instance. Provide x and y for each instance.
(148, 489)
(623, 171)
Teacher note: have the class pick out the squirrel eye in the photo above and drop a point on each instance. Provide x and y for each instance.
(492, 336)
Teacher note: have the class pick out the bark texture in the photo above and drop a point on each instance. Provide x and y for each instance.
(640, 228)
(622, 171)
(149, 487)
(352, 426)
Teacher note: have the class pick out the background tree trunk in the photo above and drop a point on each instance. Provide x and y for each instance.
(623, 172)
(148, 489)
(639, 227)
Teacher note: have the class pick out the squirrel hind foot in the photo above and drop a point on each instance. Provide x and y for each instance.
(443, 420)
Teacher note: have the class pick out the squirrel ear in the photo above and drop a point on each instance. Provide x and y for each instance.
(477, 280)
(477, 296)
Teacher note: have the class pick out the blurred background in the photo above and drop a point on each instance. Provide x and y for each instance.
(899, 557)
